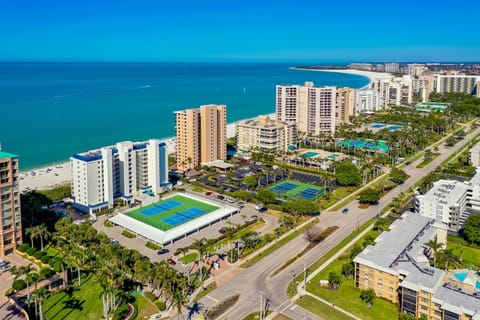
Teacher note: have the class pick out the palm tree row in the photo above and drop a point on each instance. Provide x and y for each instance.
(86, 250)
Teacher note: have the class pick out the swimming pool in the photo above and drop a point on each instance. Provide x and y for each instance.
(310, 154)
(332, 156)
(461, 276)
(393, 127)
(377, 125)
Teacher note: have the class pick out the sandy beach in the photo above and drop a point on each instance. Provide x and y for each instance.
(53, 175)
(373, 76)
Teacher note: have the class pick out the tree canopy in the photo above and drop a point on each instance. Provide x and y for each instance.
(266, 196)
(370, 196)
(471, 230)
(348, 174)
(301, 206)
(398, 175)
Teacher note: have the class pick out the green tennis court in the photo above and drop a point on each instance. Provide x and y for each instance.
(290, 188)
(171, 212)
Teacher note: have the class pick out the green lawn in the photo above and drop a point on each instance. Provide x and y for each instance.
(321, 309)
(156, 220)
(296, 191)
(470, 256)
(145, 307)
(82, 303)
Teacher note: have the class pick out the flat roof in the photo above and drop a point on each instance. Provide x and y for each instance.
(4, 154)
(218, 164)
(165, 237)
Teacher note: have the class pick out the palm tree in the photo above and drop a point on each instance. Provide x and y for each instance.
(368, 296)
(435, 246)
(43, 233)
(26, 270)
(31, 233)
(450, 258)
(40, 296)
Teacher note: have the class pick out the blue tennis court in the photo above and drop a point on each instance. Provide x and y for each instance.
(284, 187)
(310, 194)
(183, 216)
(176, 220)
(157, 209)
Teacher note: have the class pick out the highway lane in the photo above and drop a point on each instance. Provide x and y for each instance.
(250, 281)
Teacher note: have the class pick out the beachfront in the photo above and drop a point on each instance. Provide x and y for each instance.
(60, 174)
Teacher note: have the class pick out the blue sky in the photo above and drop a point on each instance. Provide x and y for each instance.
(231, 30)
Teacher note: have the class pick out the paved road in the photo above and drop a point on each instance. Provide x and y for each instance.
(249, 282)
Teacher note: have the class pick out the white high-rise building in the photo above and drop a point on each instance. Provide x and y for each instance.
(101, 176)
(392, 67)
(311, 108)
(455, 83)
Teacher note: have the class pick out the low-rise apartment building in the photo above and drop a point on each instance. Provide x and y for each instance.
(397, 268)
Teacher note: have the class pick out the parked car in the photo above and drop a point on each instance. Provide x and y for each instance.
(345, 211)
(254, 217)
(6, 267)
(208, 193)
(231, 200)
(172, 262)
(241, 205)
(114, 241)
(220, 197)
(223, 230)
(163, 251)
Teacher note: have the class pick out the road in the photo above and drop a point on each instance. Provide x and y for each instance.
(250, 281)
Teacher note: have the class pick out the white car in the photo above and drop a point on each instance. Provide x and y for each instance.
(231, 200)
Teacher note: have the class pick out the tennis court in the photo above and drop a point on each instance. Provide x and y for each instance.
(171, 212)
(289, 188)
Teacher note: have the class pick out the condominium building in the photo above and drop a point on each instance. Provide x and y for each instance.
(397, 268)
(266, 135)
(201, 136)
(311, 108)
(344, 106)
(361, 66)
(11, 219)
(415, 69)
(455, 83)
(123, 171)
(476, 91)
(392, 67)
(450, 202)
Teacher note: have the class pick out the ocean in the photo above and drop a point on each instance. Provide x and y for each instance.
(49, 111)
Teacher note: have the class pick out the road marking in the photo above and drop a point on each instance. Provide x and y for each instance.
(293, 308)
(212, 298)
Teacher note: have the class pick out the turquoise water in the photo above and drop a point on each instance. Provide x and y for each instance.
(461, 276)
(310, 154)
(49, 111)
(332, 156)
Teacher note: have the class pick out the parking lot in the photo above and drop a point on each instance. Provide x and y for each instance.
(138, 243)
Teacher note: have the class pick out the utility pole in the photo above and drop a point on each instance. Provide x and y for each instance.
(261, 304)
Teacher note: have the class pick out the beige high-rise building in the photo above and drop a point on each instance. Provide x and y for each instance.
(11, 219)
(455, 83)
(345, 105)
(201, 135)
(311, 108)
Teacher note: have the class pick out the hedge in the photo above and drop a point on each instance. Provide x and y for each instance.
(23, 247)
(31, 251)
(19, 284)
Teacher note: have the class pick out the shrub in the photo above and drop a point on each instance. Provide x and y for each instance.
(128, 234)
(19, 284)
(153, 246)
(160, 305)
(39, 254)
(23, 247)
(108, 224)
(46, 259)
(9, 292)
(31, 251)
(46, 273)
(150, 296)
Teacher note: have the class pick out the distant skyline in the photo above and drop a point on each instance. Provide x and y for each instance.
(239, 31)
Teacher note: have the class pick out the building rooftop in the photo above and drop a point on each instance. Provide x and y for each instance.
(4, 154)
(457, 300)
(399, 244)
(446, 192)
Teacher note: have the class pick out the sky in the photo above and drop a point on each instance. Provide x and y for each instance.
(247, 30)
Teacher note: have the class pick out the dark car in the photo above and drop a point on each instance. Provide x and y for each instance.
(220, 197)
(223, 230)
(345, 210)
(163, 251)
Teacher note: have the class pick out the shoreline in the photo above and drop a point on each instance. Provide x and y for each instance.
(371, 75)
(59, 173)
